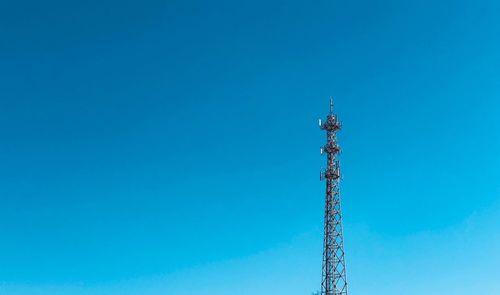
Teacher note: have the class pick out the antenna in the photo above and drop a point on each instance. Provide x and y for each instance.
(331, 104)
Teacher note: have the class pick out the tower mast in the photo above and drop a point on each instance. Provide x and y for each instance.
(334, 278)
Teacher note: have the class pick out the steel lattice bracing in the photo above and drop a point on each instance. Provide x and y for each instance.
(334, 279)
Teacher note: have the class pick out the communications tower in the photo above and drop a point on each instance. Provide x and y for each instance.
(334, 279)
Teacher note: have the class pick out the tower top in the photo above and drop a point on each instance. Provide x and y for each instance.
(332, 123)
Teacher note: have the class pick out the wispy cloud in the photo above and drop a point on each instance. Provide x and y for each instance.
(463, 259)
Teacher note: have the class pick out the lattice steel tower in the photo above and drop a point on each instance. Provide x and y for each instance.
(334, 279)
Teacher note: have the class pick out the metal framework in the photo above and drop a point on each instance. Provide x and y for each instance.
(334, 278)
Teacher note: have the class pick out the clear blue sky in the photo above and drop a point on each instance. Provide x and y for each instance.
(171, 147)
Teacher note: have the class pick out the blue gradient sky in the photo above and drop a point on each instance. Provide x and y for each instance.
(172, 147)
